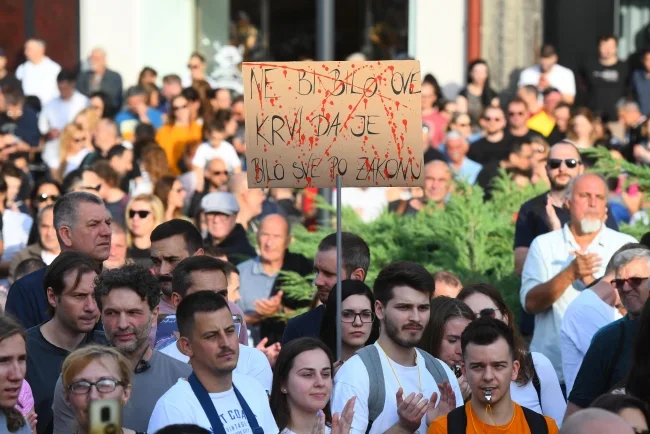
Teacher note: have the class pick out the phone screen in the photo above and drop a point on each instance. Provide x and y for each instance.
(105, 416)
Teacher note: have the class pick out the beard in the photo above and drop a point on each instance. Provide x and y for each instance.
(393, 332)
(141, 334)
(589, 226)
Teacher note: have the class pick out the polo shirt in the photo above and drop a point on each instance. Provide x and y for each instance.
(607, 362)
(469, 170)
(549, 254)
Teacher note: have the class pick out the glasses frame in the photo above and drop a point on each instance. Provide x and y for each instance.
(91, 384)
(358, 314)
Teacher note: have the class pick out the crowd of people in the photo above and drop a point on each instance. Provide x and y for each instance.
(138, 266)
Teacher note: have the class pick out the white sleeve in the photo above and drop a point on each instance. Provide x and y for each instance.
(352, 380)
(553, 403)
(526, 78)
(583, 325)
(261, 369)
(233, 160)
(43, 121)
(534, 272)
(20, 72)
(569, 83)
(200, 157)
(165, 414)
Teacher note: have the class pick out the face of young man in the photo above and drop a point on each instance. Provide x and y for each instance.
(404, 316)
(490, 369)
(76, 308)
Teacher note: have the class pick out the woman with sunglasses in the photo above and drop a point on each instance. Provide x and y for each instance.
(302, 387)
(172, 195)
(74, 145)
(537, 386)
(143, 214)
(441, 337)
(632, 410)
(358, 325)
(178, 132)
(92, 373)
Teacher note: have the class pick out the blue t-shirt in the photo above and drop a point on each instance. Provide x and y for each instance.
(127, 121)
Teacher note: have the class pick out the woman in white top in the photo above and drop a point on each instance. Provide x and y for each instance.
(537, 386)
(302, 386)
(74, 145)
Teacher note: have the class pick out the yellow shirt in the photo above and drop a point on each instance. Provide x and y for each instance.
(173, 139)
(517, 424)
(541, 122)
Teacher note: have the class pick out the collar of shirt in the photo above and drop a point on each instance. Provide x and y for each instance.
(258, 269)
(570, 239)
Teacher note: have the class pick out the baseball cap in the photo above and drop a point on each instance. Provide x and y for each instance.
(220, 202)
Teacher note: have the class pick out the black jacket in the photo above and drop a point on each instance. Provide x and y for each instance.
(236, 245)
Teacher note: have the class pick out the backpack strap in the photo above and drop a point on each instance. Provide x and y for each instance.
(536, 422)
(377, 388)
(434, 366)
(536, 383)
(457, 421)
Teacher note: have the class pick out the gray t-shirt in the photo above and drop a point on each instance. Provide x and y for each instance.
(25, 429)
(148, 387)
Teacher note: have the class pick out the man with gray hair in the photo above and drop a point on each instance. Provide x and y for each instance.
(456, 153)
(38, 74)
(609, 357)
(82, 223)
(562, 263)
(596, 421)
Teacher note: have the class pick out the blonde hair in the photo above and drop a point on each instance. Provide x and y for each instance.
(79, 359)
(93, 119)
(67, 135)
(157, 209)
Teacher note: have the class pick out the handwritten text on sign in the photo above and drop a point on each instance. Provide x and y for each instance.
(307, 122)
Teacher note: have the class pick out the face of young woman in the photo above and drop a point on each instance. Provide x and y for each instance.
(13, 365)
(140, 218)
(309, 383)
(99, 369)
(450, 351)
(356, 316)
(176, 196)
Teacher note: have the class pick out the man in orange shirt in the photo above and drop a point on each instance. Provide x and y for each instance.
(489, 366)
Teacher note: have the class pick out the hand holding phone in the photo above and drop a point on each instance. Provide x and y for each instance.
(105, 417)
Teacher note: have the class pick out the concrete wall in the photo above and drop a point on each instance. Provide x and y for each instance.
(438, 40)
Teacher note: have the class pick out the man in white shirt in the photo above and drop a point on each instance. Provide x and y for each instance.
(62, 110)
(38, 74)
(403, 290)
(563, 262)
(204, 273)
(213, 397)
(549, 74)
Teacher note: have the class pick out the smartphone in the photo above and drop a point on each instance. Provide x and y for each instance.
(105, 416)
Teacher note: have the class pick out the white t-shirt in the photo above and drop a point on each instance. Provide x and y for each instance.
(559, 77)
(15, 234)
(73, 162)
(206, 152)
(553, 403)
(370, 202)
(59, 112)
(251, 362)
(40, 79)
(582, 319)
(352, 380)
(48, 257)
(180, 406)
(549, 254)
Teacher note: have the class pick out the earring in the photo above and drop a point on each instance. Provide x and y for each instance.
(283, 390)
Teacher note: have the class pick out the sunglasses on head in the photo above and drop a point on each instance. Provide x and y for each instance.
(634, 282)
(142, 213)
(487, 313)
(43, 197)
(571, 163)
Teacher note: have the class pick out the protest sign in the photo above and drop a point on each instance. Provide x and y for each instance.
(307, 122)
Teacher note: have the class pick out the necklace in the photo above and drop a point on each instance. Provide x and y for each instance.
(395, 374)
(495, 426)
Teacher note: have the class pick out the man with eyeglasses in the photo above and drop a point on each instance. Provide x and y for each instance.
(128, 300)
(494, 146)
(203, 273)
(216, 177)
(562, 263)
(609, 357)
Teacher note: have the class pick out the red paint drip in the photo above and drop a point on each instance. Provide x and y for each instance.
(405, 122)
(285, 73)
(365, 103)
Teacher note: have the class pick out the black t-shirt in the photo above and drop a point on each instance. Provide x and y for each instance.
(140, 256)
(605, 86)
(526, 138)
(483, 151)
(432, 154)
(43, 370)
(486, 176)
(10, 80)
(402, 207)
(531, 220)
(607, 362)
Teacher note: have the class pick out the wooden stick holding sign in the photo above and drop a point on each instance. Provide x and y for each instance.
(326, 124)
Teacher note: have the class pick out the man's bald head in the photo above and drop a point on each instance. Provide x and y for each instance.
(437, 181)
(273, 238)
(275, 220)
(34, 49)
(595, 421)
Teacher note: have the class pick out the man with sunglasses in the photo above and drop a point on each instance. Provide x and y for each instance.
(562, 263)
(128, 298)
(518, 115)
(203, 273)
(494, 146)
(216, 179)
(609, 357)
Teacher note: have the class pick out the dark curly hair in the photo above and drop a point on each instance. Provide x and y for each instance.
(135, 277)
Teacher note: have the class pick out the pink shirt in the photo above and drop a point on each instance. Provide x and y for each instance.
(25, 399)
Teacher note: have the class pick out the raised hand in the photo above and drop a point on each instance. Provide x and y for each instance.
(551, 216)
(269, 306)
(343, 424)
(447, 402)
(271, 352)
(411, 410)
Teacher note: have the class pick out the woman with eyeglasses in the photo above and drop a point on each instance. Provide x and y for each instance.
(302, 387)
(537, 386)
(172, 195)
(92, 373)
(441, 337)
(178, 132)
(632, 410)
(143, 214)
(45, 192)
(358, 324)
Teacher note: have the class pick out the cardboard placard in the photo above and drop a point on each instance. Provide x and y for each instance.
(307, 122)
